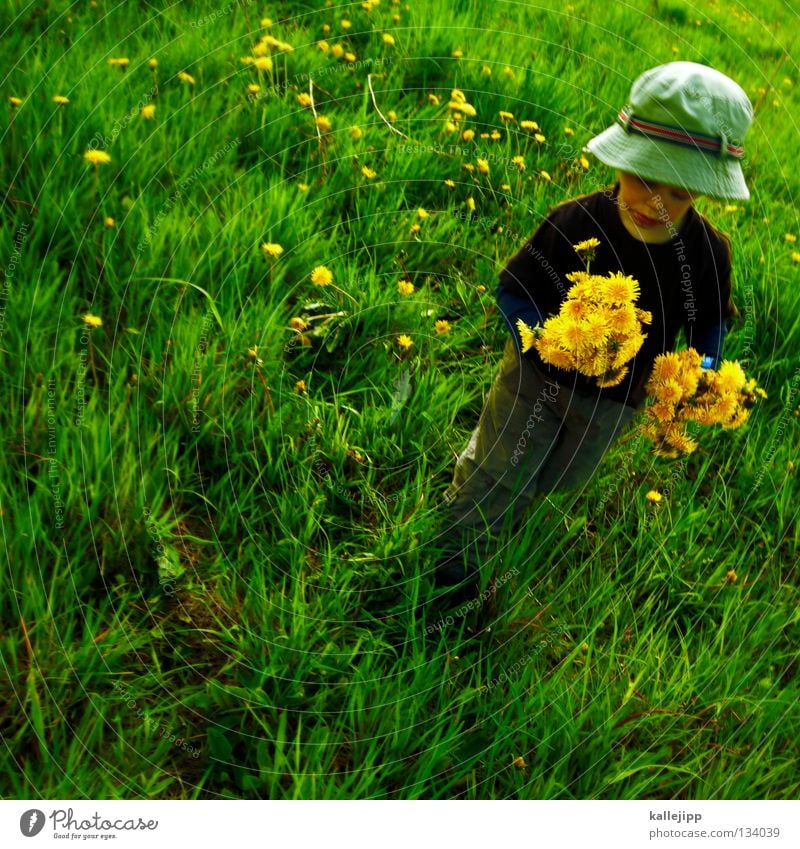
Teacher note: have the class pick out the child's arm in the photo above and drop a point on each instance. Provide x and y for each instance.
(512, 307)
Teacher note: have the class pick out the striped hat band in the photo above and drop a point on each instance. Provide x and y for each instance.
(676, 135)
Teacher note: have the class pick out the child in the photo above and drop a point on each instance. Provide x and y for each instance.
(543, 428)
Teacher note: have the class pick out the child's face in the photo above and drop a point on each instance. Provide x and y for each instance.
(651, 212)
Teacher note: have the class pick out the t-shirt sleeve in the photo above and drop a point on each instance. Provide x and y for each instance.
(534, 280)
(707, 310)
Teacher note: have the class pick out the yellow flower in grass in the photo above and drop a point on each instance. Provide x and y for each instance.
(470, 202)
(351, 57)
(795, 256)
(669, 391)
(253, 88)
(405, 341)
(680, 441)
(97, 157)
(356, 133)
(387, 39)
(405, 287)
(186, 78)
(519, 161)
(148, 111)
(60, 100)
(529, 125)
(15, 101)
(304, 99)
(654, 497)
(506, 116)
(108, 222)
(321, 276)
(152, 64)
(323, 46)
(337, 51)
(483, 166)
(323, 124)
(422, 213)
(568, 131)
(442, 326)
(300, 386)
(468, 135)
(457, 53)
(119, 62)
(545, 176)
(92, 321)
(790, 237)
(263, 63)
(661, 411)
(450, 184)
(297, 323)
(369, 173)
(271, 249)
(539, 138)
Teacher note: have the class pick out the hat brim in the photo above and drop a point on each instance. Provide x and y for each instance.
(664, 162)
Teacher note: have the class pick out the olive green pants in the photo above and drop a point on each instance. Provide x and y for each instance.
(533, 436)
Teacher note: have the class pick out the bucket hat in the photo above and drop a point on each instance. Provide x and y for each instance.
(684, 125)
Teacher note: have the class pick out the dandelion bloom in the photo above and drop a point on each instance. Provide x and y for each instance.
(442, 326)
(263, 63)
(538, 137)
(93, 321)
(302, 187)
(185, 78)
(790, 237)
(506, 116)
(345, 24)
(795, 256)
(369, 173)
(433, 99)
(304, 99)
(253, 88)
(15, 101)
(587, 245)
(653, 496)
(584, 163)
(119, 62)
(466, 108)
(450, 184)
(108, 222)
(405, 341)
(323, 46)
(457, 54)
(470, 202)
(730, 376)
(60, 100)
(350, 56)
(529, 125)
(272, 249)
(405, 287)
(388, 39)
(450, 127)
(321, 276)
(414, 228)
(300, 386)
(152, 64)
(568, 131)
(148, 111)
(356, 133)
(619, 288)
(468, 135)
(483, 166)
(519, 161)
(422, 213)
(97, 157)
(545, 176)
(337, 50)
(508, 71)
(458, 95)
(324, 124)
(495, 135)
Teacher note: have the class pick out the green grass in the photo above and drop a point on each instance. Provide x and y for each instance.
(216, 582)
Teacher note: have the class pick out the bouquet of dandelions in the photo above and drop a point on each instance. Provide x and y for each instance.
(598, 329)
(682, 391)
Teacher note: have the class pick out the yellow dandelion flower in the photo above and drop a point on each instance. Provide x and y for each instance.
(266, 22)
(148, 112)
(119, 62)
(519, 161)
(304, 99)
(584, 163)
(92, 321)
(575, 308)
(345, 24)
(300, 386)
(506, 116)
(545, 176)
(480, 289)
(654, 497)
(587, 245)
(442, 326)
(495, 134)
(538, 137)
(405, 287)
(668, 391)
(619, 288)
(337, 51)
(391, 115)
(433, 99)
(790, 237)
(108, 222)
(405, 341)
(152, 64)
(15, 101)
(725, 407)
(529, 125)
(661, 411)
(60, 100)
(527, 335)
(470, 202)
(97, 157)
(644, 316)
(466, 108)
(253, 88)
(422, 213)
(369, 173)
(324, 124)
(483, 166)
(738, 420)
(450, 127)
(323, 46)
(450, 184)
(349, 56)
(560, 359)
(795, 256)
(356, 133)
(730, 377)
(321, 276)
(457, 54)
(568, 131)
(302, 187)
(731, 207)
(622, 319)
(468, 135)
(185, 78)
(486, 70)
(508, 71)
(680, 441)
(271, 249)
(414, 228)
(388, 39)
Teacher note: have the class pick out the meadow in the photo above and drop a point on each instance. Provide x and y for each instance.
(227, 426)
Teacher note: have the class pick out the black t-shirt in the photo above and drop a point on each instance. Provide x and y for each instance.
(684, 283)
